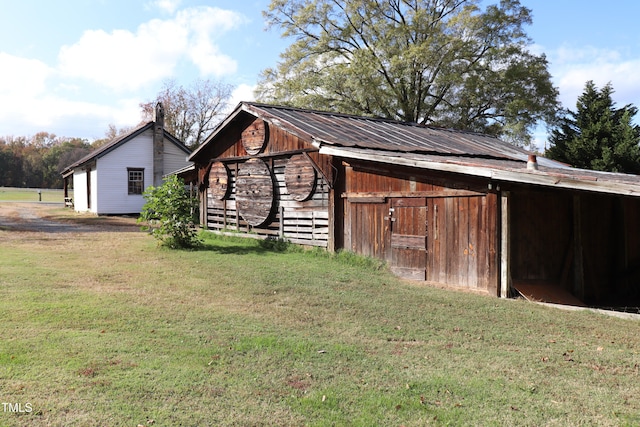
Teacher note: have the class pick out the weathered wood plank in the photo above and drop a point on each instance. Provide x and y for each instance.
(255, 136)
(300, 177)
(254, 192)
(505, 246)
(218, 180)
(402, 241)
(368, 200)
(410, 194)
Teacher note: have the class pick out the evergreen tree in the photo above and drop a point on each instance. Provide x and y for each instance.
(597, 135)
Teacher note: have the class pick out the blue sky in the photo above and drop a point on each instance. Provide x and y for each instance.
(72, 67)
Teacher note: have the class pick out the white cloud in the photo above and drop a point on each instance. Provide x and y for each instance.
(169, 6)
(573, 67)
(243, 92)
(63, 117)
(208, 24)
(21, 77)
(123, 60)
(29, 103)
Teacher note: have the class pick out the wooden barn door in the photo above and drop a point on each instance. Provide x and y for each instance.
(408, 217)
(366, 228)
(462, 241)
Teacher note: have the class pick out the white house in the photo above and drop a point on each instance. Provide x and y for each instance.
(111, 179)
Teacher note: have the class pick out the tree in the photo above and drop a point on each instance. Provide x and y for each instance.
(190, 113)
(37, 161)
(169, 214)
(440, 62)
(597, 135)
(111, 133)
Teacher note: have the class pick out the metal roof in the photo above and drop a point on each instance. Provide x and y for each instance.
(428, 147)
(501, 170)
(116, 142)
(380, 134)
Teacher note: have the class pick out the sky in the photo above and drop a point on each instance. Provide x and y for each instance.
(74, 67)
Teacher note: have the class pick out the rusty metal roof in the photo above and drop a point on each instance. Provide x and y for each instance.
(428, 147)
(500, 170)
(380, 134)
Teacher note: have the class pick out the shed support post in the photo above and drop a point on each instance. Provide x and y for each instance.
(281, 222)
(203, 210)
(578, 262)
(505, 245)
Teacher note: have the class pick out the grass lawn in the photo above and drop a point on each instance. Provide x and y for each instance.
(12, 194)
(108, 329)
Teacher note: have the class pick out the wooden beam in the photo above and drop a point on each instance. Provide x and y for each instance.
(264, 156)
(505, 245)
(331, 210)
(556, 179)
(578, 256)
(407, 194)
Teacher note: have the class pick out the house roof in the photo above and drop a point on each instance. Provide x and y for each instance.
(117, 142)
(410, 144)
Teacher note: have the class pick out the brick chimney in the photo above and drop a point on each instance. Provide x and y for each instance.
(158, 145)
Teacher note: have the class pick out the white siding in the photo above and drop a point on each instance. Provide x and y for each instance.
(94, 190)
(113, 179)
(80, 190)
(174, 158)
(110, 177)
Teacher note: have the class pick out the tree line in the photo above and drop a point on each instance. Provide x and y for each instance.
(36, 162)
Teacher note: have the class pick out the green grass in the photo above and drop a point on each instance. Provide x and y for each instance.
(12, 194)
(110, 329)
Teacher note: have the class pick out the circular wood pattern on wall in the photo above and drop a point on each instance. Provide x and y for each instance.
(255, 136)
(219, 180)
(254, 192)
(300, 177)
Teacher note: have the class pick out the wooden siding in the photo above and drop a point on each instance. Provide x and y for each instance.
(303, 222)
(585, 244)
(463, 241)
(300, 222)
(426, 226)
(541, 224)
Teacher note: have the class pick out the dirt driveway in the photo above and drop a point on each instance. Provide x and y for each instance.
(53, 218)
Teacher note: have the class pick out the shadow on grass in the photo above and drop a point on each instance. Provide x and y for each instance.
(233, 249)
(231, 245)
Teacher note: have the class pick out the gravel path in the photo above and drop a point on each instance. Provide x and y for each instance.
(41, 217)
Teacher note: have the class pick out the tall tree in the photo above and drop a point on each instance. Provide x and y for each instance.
(191, 113)
(597, 135)
(441, 62)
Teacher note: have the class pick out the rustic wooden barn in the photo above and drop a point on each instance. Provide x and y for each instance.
(447, 207)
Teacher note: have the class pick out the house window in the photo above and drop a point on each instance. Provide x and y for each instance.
(136, 180)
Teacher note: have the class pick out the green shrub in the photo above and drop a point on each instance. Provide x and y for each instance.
(170, 215)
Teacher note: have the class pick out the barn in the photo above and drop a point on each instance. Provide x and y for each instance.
(111, 179)
(447, 207)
